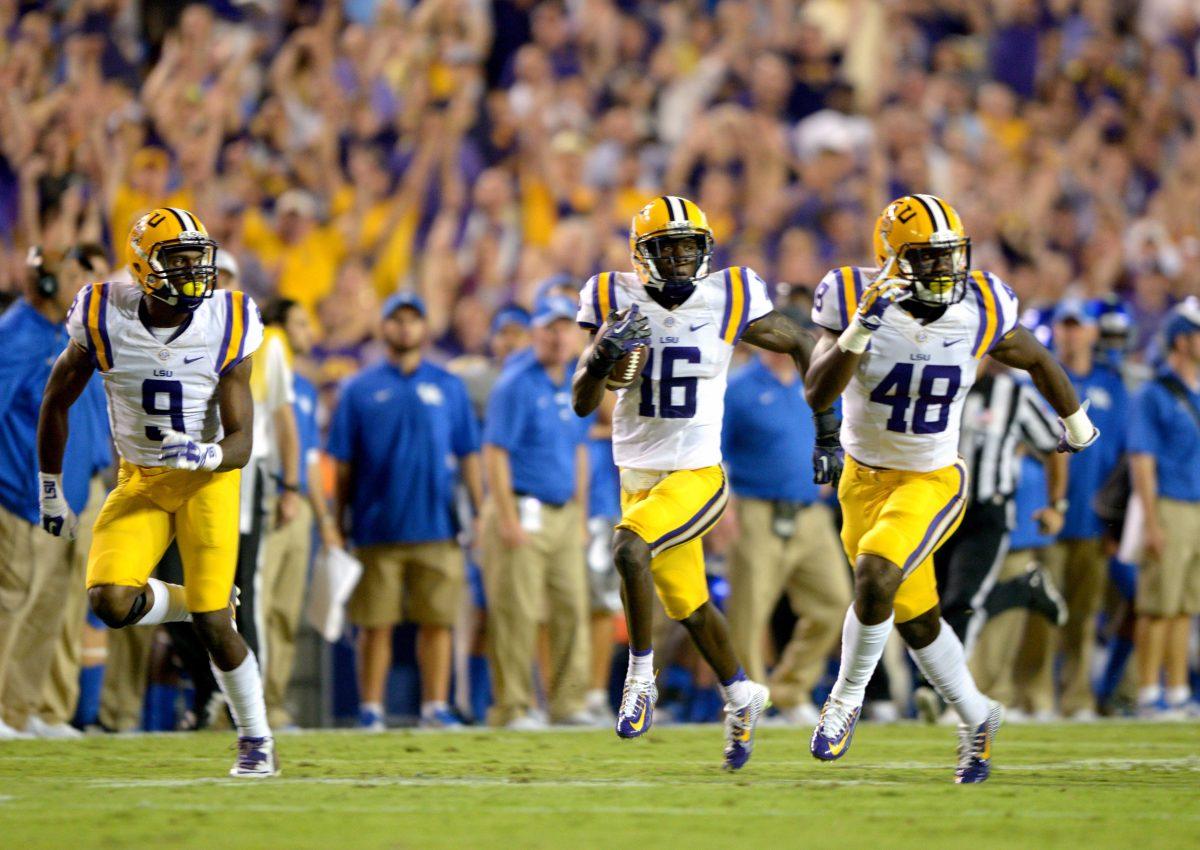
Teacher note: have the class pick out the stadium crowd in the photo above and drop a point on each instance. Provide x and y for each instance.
(458, 167)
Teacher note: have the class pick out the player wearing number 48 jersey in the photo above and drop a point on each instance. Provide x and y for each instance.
(901, 344)
(175, 356)
(667, 437)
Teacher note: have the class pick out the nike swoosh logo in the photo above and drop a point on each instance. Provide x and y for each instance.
(641, 721)
(187, 360)
(836, 749)
(946, 343)
(699, 326)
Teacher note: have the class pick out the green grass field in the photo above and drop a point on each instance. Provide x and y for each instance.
(1106, 785)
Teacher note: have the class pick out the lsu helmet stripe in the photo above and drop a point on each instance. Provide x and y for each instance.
(96, 314)
(596, 300)
(937, 213)
(675, 209)
(928, 208)
(944, 523)
(178, 217)
(986, 299)
(697, 523)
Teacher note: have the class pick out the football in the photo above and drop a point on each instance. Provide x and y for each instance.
(627, 369)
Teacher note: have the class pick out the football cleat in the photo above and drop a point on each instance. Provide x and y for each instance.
(975, 746)
(831, 739)
(636, 714)
(740, 724)
(370, 720)
(256, 758)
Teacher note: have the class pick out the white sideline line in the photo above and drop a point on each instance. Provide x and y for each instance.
(469, 782)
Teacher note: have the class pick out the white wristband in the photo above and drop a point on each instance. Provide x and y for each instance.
(1079, 427)
(50, 486)
(854, 338)
(212, 456)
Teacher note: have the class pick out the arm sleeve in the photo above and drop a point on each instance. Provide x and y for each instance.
(279, 376)
(589, 305)
(506, 416)
(836, 298)
(466, 427)
(1039, 428)
(340, 443)
(760, 298)
(1008, 309)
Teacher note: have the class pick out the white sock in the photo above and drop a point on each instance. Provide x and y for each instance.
(169, 605)
(1178, 695)
(862, 647)
(1149, 695)
(944, 664)
(641, 666)
(372, 707)
(428, 709)
(737, 692)
(243, 689)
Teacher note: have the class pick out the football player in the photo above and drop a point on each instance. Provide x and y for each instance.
(667, 438)
(901, 344)
(176, 367)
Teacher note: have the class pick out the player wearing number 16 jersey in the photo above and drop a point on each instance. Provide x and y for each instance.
(175, 358)
(901, 344)
(667, 437)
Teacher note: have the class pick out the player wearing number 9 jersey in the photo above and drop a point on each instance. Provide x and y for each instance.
(175, 357)
(667, 437)
(901, 343)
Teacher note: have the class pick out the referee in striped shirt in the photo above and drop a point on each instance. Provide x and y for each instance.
(1000, 417)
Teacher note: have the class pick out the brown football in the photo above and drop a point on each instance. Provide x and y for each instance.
(627, 370)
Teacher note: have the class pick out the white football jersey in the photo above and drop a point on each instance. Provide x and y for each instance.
(670, 418)
(903, 407)
(153, 384)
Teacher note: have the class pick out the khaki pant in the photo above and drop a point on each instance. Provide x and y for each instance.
(993, 660)
(408, 582)
(809, 566)
(60, 691)
(125, 674)
(1170, 585)
(283, 578)
(542, 582)
(1080, 570)
(40, 580)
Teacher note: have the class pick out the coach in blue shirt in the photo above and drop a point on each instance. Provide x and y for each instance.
(1078, 562)
(36, 567)
(785, 540)
(1164, 449)
(403, 429)
(535, 456)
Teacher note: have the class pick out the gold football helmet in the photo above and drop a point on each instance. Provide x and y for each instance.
(670, 242)
(925, 237)
(173, 259)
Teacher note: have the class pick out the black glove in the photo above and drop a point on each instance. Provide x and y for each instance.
(621, 334)
(827, 450)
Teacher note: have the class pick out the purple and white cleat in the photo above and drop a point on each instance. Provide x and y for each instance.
(256, 758)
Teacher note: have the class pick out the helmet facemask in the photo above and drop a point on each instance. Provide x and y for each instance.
(182, 272)
(936, 270)
(674, 259)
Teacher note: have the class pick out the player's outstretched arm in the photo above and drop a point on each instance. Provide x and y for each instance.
(1021, 350)
(68, 378)
(777, 332)
(72, 370)
(829, 371)
(237, 416)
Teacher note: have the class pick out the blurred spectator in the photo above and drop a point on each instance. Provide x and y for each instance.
(288, 546)
(402, 432)
(39, 576)
(534, 524)
(1164, 446)
(785, 539)
(1078, 562)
